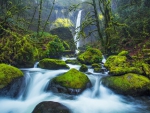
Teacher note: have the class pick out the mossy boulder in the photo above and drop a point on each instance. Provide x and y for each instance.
(52, 64)
(124, 70)
(97, 70)
(128, 84)
(123, 53)
(90, 56)
(118, 65)
(96, 65)
(146, 68)
(116, 61)
(75, 62)
(83, 68)
(65, 34)
(71, 82)
(8, 73)
(50, 107)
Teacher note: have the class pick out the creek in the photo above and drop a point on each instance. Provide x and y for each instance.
(98, 99)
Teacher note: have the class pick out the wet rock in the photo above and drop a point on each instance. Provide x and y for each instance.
(72, 82)
(128, 84)
(90, 56)
(83, 68)
(14, 89)
(53, 64)
(8, 74)
(50, 107)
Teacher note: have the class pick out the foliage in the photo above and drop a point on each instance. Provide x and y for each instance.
(8, 73)
(16, 50)
(55, 48)
(62, 22)
(123, 53)
(65, 34)
(66, 46)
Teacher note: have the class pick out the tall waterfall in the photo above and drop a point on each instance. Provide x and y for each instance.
(78, 22)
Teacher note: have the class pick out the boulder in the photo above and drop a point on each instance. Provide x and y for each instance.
(128, 84)
(65, 34)
(118, 65)
(50, 107)
(96, 65)
(52, 64)
(83, 68)
(98, 70)
(8, 73)
(14, 89)
(90, 56)
(71, 82)
(75, 62)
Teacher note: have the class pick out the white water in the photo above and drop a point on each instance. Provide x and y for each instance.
(99, 99)
(78, 22)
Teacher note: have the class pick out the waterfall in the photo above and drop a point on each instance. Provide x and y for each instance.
(36, 65)
(78, 22)
(56, 11)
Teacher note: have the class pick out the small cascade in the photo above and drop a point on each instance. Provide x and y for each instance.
(78, 23)
(104, 59)
(36, 65)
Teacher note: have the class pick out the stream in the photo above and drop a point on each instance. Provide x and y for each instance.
(98, 99)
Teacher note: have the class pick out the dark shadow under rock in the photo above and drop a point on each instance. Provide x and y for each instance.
(50, 107)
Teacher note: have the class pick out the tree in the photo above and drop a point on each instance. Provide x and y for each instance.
(102, 18)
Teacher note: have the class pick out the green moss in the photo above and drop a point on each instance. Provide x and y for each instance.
(83, 68)
(96, 65)
(72, 79)
(16, 50)
(55, 48)
(146, 68)
(113, 61)
(52, 64)
(127, 84)
(8, 73)
(62, 22)
(97, 70)
(123, 53)
(73, 62)
(66, 46)
(90, 56)
(124, 70)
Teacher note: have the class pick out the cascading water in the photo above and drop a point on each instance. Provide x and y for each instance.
(78, 22)
(98, 99)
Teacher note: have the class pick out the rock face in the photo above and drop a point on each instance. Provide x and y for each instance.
(8, 73)
(90, 56)
(65, 34)
(53, 64)
(50, 107)
(71, 82)
(128, 84)
(14, 89)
